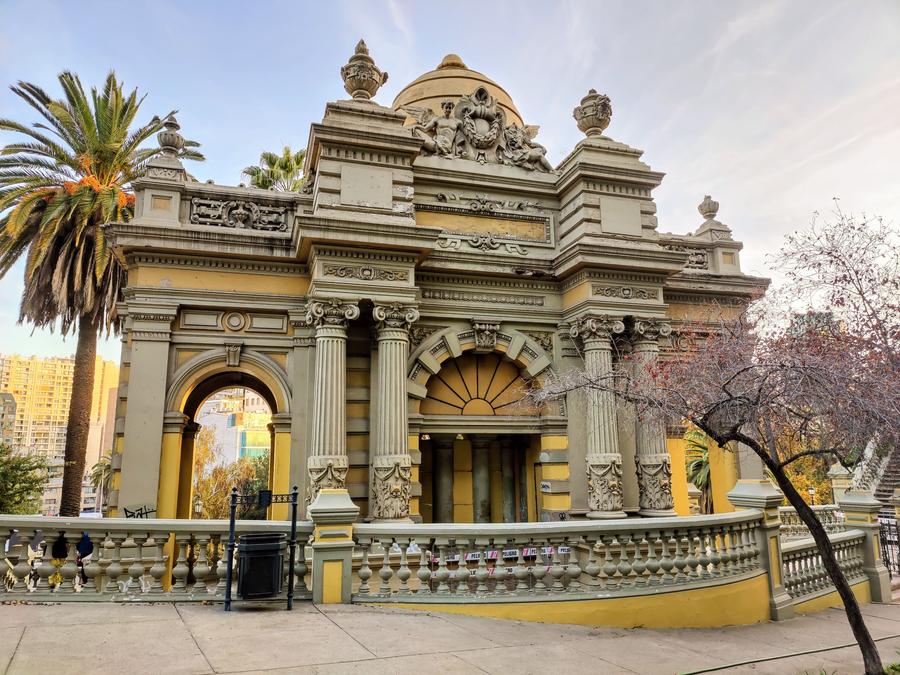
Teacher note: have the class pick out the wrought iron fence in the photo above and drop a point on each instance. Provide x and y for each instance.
(889, 538)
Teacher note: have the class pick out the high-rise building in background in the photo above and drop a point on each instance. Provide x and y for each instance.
(240, 419)
(41, 389)
(7, 417)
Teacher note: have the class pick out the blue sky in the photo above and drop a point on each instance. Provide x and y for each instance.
(773, 107)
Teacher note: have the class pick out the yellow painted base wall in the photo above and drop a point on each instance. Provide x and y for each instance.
(739, 603)
(861, 591)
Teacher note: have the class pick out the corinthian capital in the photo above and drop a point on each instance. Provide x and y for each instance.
(395, 316)
(596, 327)
(651, 330)
(330, 313)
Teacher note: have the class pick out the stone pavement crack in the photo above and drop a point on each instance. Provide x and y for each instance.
(374, 655)
(13, 655)
(191, 633)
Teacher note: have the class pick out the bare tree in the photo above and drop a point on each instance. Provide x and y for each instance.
(810, 371)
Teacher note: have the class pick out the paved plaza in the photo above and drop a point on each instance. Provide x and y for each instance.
(190, 638)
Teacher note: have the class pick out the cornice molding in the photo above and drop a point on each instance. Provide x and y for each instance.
(229, 264)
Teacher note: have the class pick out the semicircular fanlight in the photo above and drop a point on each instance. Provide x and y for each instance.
(477, 385)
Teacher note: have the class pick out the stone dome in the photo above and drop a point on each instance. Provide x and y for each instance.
(453, 79)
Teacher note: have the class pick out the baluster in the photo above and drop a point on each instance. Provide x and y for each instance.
(500, 573)
(45, 568)
(573, 568)
(741, 545)
(136, 570)
(462, 569)
(691, 560)
(22, 569)
(69, 569)
(733, 567)
(521, 571)
(301, 567)
(201, 564)
(626, 567)
(652, 566)
(540, 568)
(702, 555)
(403, 573)
(365, 572)
(609, 569)
(4, 537)
(666, 563)
(592, 569)
(557, 571)
(114, 570)
(679, 561)
(639, 566)
(181, 570)
(443, 574)
(481, 570)
(618, 578)
(424, 571)
(385, 573)
(221, 564)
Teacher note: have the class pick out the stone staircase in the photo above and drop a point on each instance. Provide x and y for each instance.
(890, 479)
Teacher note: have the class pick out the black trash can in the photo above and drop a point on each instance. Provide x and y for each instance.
(260, 565)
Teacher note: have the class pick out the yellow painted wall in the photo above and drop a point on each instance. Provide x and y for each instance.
(281, 474)
(738, 603)
(862, 591)
(723, 476)
(481, 225)
(171, 277)
(462, 482)
(676, 447)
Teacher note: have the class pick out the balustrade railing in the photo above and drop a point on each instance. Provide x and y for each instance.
(793, 528)
(129, 557)
(804, 572)
(441, 563)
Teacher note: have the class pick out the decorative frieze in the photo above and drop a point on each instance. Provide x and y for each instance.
(626, 292)
(365, 273)
(239, 214)
(698, 258)
(326, 471)
(481, 203)
(492, 298)
(482, 242)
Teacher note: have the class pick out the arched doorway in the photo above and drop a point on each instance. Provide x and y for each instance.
(190, 399)
(232, 446)
(480, 465)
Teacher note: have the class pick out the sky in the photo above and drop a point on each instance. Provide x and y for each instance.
(772, 107)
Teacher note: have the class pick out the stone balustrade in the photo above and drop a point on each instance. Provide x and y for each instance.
(804, 572)
(447, 563)
(793, 528)
(131, 558)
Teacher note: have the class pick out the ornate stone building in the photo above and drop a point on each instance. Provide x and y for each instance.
(395, 311)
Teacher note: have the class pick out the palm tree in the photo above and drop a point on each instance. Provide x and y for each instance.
(101, 473)
(282, 172)
(697, 466)
(57, 187)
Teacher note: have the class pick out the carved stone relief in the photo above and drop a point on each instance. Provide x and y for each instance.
(391, 487)
(418, 334)
(238, 214)
(474, 127)
(326, 472)
(485, 335)
(493, 298)
(481, 242)
(365, 273)
(626, 292)
(544, 340)
(655, 483)
(698, 258)
(480, 203)
(604, 474)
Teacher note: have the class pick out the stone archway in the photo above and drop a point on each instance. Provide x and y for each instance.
(192, 384)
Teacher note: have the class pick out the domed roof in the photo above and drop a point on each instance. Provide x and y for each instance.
(453, 79)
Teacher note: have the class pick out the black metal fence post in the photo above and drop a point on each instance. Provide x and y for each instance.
(293, 549)
(230, 563)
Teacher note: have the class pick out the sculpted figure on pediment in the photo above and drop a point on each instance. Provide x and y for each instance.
(474, 127)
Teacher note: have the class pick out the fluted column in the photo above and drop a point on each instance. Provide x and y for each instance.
(652, 460)
(328, 463)
(604, 462)
(391, 465)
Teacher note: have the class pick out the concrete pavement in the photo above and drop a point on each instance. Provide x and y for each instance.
(190, 638)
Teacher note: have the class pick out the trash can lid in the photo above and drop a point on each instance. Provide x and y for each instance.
(262, 537)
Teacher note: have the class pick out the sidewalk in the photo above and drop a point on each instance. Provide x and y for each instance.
(134, 639)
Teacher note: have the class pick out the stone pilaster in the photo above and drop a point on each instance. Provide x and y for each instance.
(391, 463)
(328, 463)
(652, 461)
(604, 462)
(481, 478)
(442, 468)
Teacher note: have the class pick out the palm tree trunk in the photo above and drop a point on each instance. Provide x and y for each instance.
(79, 417)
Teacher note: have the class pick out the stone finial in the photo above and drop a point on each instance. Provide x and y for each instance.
(708, 208)
(594, 113)
(169, 139)
(362, 78)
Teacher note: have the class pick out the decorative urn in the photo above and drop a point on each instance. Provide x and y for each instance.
(362, 78)
(170, 141)
(708, 208)
(594, 113)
